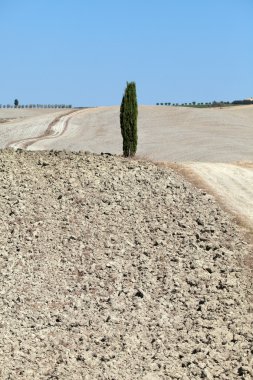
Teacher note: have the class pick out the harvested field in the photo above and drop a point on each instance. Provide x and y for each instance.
(118, 269)
(173, 134)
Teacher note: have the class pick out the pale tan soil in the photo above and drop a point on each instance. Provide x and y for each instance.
(165, 133)
(118, 269)
(96, 130)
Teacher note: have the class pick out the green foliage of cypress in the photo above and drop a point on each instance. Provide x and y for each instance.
(128, 120)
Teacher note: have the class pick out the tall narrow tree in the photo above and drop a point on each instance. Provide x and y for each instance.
(128, 120)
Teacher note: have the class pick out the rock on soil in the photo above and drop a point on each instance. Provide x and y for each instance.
(117, 269)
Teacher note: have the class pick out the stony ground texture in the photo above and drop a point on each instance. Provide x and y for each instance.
(117, 269)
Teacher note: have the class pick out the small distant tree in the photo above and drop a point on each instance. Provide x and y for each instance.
(16, 103)
(128, 120)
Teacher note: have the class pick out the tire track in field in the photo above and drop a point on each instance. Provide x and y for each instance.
(55, 129)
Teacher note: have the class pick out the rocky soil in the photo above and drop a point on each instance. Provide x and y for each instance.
(117, 269)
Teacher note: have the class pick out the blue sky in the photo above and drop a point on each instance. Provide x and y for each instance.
(82, 52)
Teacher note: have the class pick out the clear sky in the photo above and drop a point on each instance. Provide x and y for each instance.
(82, 52)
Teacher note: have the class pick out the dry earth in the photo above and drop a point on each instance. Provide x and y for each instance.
(165, 133)
(118, 269)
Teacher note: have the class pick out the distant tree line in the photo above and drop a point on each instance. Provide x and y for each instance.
(245, 101)
(208, 104)
(36, 106)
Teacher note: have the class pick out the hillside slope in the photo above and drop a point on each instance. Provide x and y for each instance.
(165, 133)
(117, 269)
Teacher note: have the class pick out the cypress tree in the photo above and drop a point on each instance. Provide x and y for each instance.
(128, 120)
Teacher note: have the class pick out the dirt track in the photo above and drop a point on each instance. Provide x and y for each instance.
(231, 184)
(25, 124)
(56, 128)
